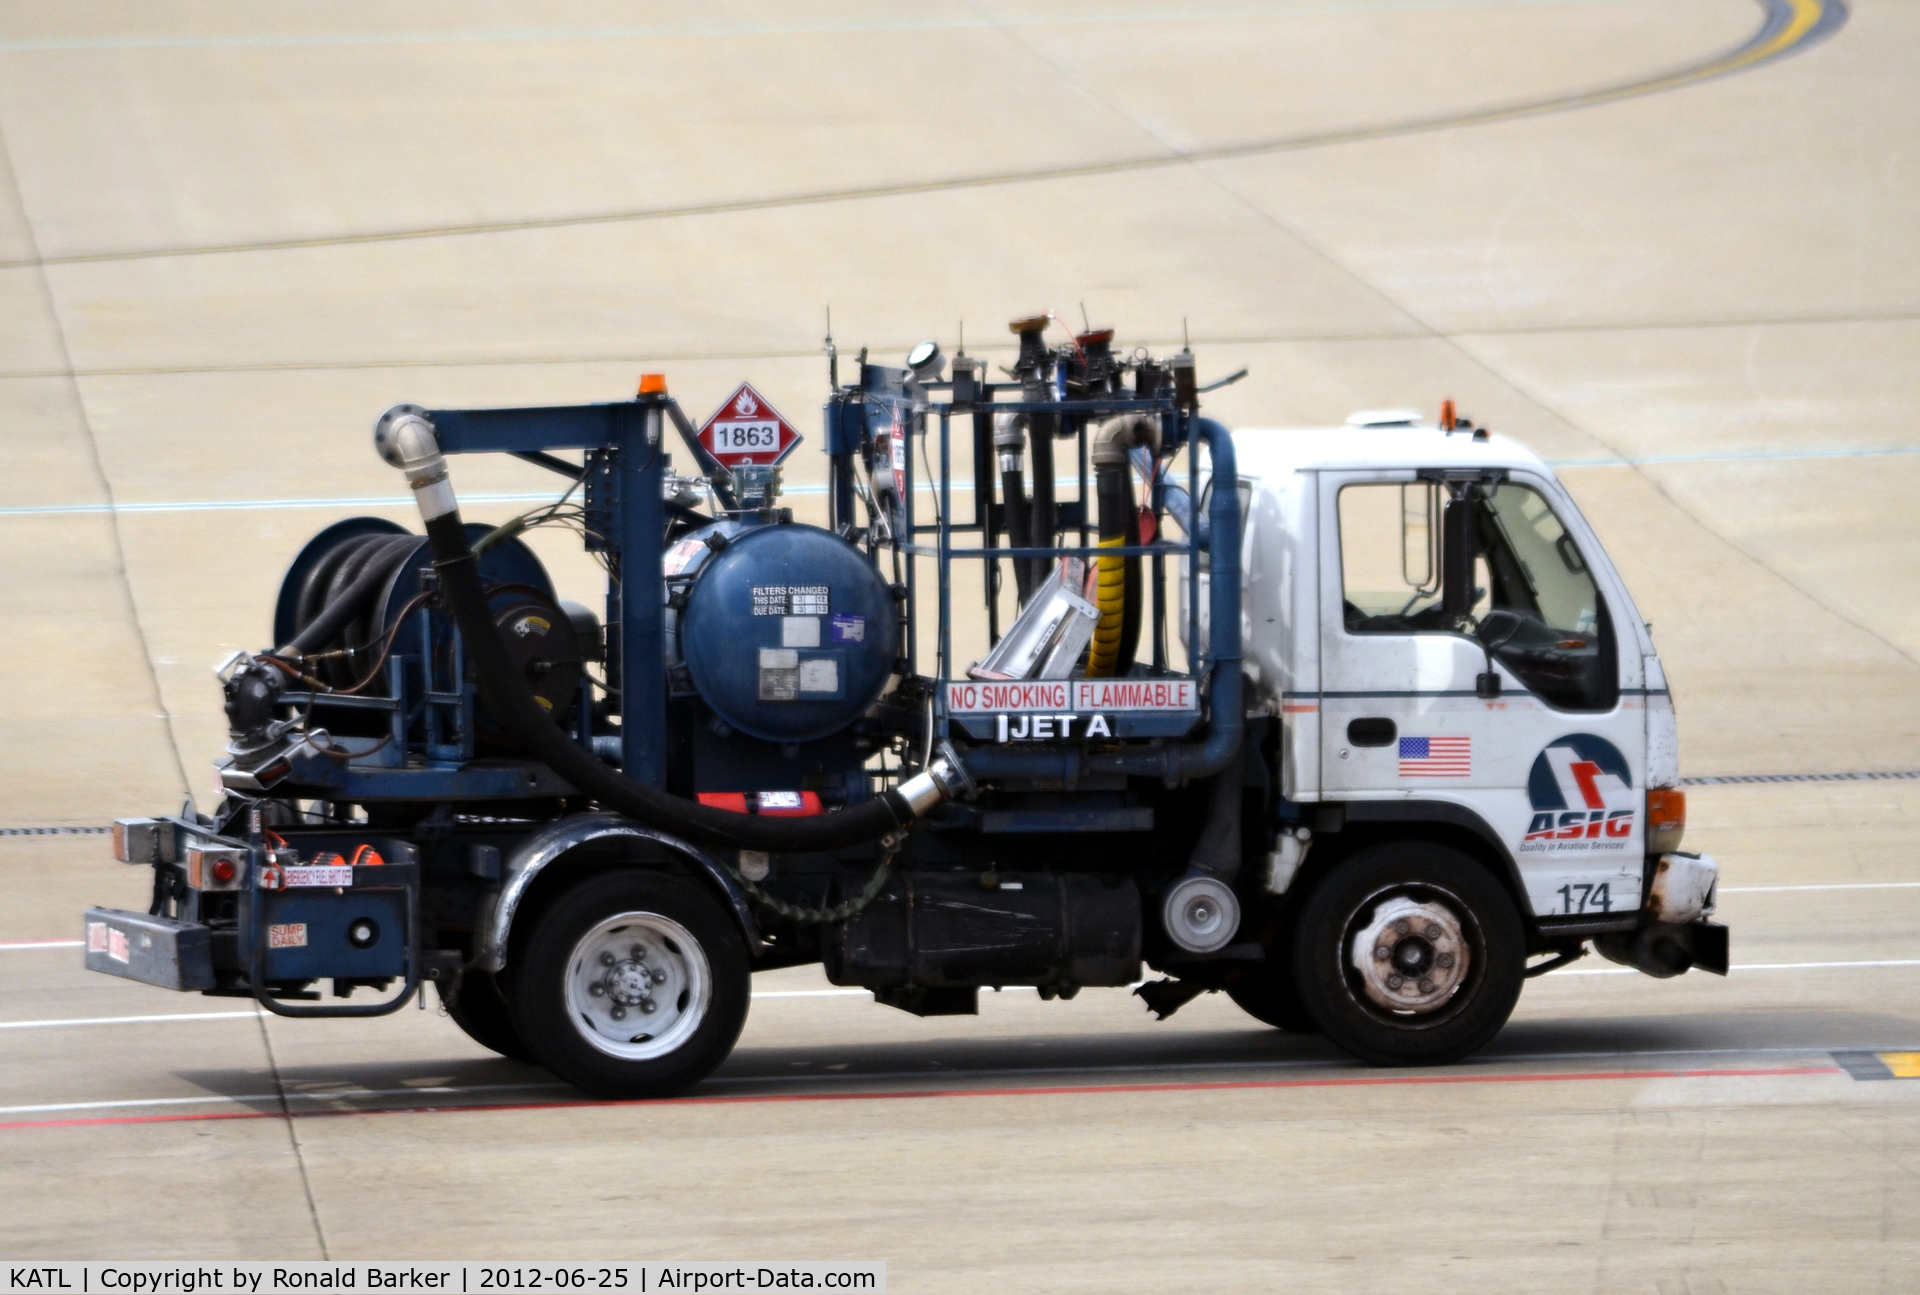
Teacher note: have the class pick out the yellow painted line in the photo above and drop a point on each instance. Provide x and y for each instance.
(1803, 18)
(1805, 15)
(1904, 1065)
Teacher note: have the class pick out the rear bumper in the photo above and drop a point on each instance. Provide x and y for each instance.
(153, 950)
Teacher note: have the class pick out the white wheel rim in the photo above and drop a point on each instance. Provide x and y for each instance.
(638, 986)
(1412, 956)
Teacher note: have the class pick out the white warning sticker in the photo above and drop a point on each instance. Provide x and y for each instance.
(292, 935)
(117, 946)
(96, 937)
(822, 674)
(791, 600)
(779, 674)
(319, 876)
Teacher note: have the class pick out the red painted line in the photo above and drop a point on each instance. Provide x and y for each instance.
(1079, 1090)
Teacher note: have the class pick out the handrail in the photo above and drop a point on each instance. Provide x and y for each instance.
(1181, 762)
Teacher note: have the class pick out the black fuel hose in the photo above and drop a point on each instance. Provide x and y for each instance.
(344, 590)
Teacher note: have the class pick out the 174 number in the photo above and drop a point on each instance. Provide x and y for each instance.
(1584, 898)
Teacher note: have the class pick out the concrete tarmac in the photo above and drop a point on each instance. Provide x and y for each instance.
(1667, 244)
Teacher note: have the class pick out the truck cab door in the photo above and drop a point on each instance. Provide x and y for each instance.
(1428, 588)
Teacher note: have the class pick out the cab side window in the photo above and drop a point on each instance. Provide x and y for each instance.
(1532, 602)
(1390, 558)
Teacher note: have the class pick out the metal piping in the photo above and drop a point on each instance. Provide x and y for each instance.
(405, 438)
(1182, 763)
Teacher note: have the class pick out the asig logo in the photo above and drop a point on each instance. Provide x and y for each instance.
(1581, 790)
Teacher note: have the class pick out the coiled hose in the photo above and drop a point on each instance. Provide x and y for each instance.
(406, 439)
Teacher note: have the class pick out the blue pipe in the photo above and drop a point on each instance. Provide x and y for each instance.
(1184, 762)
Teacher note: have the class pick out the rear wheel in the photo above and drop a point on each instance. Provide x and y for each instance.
(1409, 954)
(1266, 990)
(633, 984)
(478, 1006)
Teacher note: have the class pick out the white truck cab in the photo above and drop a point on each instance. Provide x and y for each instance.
(1447, 648)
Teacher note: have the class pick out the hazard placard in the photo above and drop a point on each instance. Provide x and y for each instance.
(747, 430)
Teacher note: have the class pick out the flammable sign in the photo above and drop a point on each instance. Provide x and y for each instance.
(746, 430)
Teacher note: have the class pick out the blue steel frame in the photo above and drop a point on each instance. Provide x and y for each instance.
(1176, 429)
(629, 433)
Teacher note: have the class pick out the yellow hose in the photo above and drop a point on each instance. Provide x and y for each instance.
(1111, 598)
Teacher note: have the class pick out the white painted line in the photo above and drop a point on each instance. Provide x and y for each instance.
(1838, 885)
(438, 1091)
(1756, 966)
(126, 1020)
(945, 1073)
(231, 1016)
(42, 944)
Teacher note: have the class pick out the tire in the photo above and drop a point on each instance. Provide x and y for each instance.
(645, 952)
(1266, 991)
(480, 1008)
(1447, 955)
(1268, 995)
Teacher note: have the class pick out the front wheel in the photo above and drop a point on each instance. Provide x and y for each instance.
(634, 984)
(1410, 954)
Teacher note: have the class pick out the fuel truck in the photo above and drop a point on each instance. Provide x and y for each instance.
(1357, 725)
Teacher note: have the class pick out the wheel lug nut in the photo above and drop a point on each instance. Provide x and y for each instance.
(659, 976)
(606, 959)
(619, 1013)
(1433, 930)
(1381, 952)
(597, 989)
(1444, 961)
(1425, 986)
(1394, 982)
(649, 1006)
(1401, 926)
(637, 953)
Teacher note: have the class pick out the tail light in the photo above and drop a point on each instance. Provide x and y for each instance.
(215, 867)
(1666, 819)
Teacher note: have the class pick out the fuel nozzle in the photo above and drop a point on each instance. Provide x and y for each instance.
(1035, 364)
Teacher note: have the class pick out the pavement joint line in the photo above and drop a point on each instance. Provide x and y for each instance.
(1786, 27)
(1902, 314)
(738, 30)
(815, 488)
(932, 1094)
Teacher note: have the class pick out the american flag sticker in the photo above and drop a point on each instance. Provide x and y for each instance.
(1436, 757)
